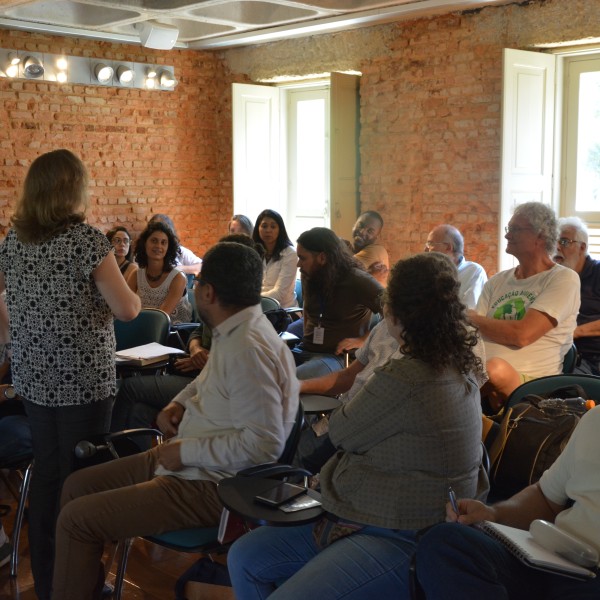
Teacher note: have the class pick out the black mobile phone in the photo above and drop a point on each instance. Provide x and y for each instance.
(280, 494)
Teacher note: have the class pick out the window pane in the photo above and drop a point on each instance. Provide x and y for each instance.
(310, 157)
(588, 143)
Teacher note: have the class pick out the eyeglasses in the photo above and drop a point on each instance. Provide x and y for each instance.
(432, 245)
(198, 281)
(117, 240)
(513, 229)
(567, 242)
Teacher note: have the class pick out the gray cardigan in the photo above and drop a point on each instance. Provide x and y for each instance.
(402, 440)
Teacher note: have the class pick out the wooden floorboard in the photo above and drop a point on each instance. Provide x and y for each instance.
(151, 572)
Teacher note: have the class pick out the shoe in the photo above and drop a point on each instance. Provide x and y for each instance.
(5, 553)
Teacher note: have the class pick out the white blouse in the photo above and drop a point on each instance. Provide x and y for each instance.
(279, 277)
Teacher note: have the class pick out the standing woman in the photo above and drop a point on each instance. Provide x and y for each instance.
(157, 282)
(121, 242)
(63, 287)
(280, 259)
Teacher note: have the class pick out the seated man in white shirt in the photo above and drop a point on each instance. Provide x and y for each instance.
(449, 240)
(238, 412)
(527, 315)
(457, 561)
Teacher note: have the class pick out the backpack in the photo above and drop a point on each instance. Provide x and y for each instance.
(529, 439)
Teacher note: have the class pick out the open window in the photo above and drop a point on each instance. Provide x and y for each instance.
(295, 149)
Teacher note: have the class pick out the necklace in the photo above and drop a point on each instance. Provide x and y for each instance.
(153, 278)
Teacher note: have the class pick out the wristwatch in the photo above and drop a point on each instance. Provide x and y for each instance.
(9, 392)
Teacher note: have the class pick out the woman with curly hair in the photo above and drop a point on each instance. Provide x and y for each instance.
(157, 282)
(409, 434)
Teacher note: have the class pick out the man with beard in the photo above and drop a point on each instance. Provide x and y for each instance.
(365, 235)
(339, 298)
(238, 412)
(526, 315)
(572, 252)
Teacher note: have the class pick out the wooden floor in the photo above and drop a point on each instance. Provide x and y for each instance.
(151, 573)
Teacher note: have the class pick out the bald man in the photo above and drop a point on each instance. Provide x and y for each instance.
(448, 240)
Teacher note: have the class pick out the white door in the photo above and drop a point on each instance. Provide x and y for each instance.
(256, 149)
(527, 135)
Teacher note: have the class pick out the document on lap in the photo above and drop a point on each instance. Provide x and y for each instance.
(145, 355)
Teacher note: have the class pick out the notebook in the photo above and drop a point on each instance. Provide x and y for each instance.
(522, 545)
(145, 355)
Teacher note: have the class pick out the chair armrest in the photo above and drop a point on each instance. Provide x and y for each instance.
(132, 433)
(273, 471)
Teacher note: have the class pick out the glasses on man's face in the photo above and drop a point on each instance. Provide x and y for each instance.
(567, 242)
(515, 229)
(431, 245)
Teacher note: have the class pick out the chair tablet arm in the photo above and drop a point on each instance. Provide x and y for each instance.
(273, 471)
(132, 433)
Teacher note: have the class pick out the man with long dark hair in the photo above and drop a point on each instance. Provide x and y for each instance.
(339, 299)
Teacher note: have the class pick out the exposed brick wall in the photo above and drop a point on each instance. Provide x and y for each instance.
(430, 137)
(146, 151)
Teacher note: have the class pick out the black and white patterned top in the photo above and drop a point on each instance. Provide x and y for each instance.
(61, 328)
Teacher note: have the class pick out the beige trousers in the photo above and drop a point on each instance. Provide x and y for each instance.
(115, 501)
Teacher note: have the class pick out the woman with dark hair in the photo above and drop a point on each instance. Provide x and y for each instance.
(63, 289)
(280, 259)
(121, 242)
(157, 282)
(186, 261)
(409, 434)
(240, 224)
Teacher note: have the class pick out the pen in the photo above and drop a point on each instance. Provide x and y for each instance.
(453, 501)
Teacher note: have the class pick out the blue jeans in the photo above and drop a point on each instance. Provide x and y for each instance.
(456, 561)
(141, 398)
(55, 431)
(15, 436)
(590, 365)
(315, 364)
(284, 563)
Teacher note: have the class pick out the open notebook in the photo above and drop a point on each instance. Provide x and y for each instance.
(145, 355)
(522, 545)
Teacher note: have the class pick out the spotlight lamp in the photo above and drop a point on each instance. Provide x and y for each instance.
(33, 68)
(12, 67)
(167, 79)
(103, 72)
(124, 75)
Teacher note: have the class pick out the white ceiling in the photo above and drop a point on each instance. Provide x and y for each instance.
(216, 23)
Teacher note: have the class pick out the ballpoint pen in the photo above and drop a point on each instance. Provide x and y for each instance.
(453, 501)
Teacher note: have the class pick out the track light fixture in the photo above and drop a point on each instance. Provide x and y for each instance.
(33, 68)
(58, 68)
(103, 72)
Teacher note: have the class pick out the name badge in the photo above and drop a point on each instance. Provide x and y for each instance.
(318, 335)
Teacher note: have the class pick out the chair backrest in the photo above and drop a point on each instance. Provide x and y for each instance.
(543, 385)
(298, 290)
(570, 360)
(195, 317)
(267, 303)
(151, 325)
(291, 445)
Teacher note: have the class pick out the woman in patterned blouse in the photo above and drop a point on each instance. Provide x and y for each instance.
(63, 287)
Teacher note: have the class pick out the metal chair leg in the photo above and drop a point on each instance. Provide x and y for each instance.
(23, 494)
(120, 577)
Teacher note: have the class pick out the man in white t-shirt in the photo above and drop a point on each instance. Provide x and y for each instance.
(527, 315)
(472, 276)
(463, 562)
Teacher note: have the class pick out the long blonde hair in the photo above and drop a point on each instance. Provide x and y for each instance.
(54, 197)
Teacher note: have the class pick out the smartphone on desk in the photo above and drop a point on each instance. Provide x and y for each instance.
(280, 494)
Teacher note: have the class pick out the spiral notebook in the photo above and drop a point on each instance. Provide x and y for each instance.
(522, 545)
